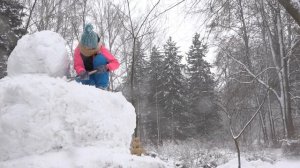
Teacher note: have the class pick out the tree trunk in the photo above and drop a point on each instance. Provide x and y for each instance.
(271, 121)
(263, 124)
(263, 127)
(245, 36)
(291, 9)
(157, 115)
(238, 151)
(132, 91)
(84, 12)
(280, 63)
(285, 81)
(30, 14)
(172, 126)
(59, 16)
(270, 114)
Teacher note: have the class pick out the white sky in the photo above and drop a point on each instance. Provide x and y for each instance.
(175, 23)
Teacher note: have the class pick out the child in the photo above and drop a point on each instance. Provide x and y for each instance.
(90, 56)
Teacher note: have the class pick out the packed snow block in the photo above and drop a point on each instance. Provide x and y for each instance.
(39, 53)
(40, 114)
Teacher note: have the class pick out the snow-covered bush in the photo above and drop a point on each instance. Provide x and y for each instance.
(291, 147)
(192, 154)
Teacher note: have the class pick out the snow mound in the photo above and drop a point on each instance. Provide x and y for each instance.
(284, 163)
(41, 52)
(88, 157)
(246, 164)
(47, 122)
(41, 114)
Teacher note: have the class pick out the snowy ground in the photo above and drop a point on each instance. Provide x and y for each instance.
(284, 163)
(199, 154)
(46, 121)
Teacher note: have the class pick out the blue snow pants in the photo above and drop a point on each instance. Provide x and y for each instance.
(99, 80)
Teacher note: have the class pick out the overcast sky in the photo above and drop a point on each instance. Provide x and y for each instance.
(175, 23)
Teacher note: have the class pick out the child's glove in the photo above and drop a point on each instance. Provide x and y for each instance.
(84, 75)
(101, 69)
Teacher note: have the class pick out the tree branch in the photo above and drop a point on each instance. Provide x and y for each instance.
(171, 7)
(147, 17)
(130, 19)
(253, 75)
(252, 118)
(291, 9)
(30, 14)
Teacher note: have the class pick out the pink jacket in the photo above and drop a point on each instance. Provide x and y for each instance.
(113, 63)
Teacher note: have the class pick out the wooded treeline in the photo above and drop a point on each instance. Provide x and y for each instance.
(257, 44)
(175, 101)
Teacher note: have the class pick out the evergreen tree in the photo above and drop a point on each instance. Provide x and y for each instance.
(202, 109)
(174, 116)
(140, 86)
(10, 30)
(11, 11)
(154, 95)
(141, 70)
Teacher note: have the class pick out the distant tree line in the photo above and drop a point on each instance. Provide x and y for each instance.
(11, 15)
(257, 45)
(175, 101)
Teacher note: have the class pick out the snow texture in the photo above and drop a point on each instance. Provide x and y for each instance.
(47, 122)
(42, 52)
(261, 164)
(40, 114)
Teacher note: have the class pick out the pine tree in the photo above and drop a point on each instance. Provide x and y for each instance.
(11, 11)
(154, 95)
(10, 30)
(173, 92)
(202, 109)
(140, 71)
(141, 85)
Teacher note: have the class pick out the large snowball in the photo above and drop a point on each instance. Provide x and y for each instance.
(41, 114)
(42, 52)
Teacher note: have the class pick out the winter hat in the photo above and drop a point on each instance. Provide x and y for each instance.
(89, 38)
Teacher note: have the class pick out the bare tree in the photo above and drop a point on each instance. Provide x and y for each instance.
(135, 31)
(280, 60)
(236, 137)
(30, 15)
(268, 31)
(108, 19)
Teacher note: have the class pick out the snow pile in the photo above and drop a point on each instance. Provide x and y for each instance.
(262, 164)
(46, 122)
(41, 52)
(40, 114)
